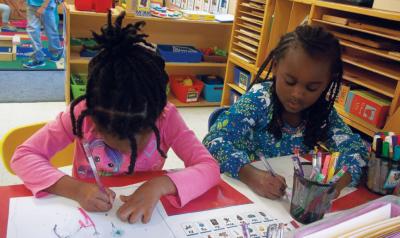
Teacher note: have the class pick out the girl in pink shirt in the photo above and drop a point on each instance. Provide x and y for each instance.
(129, 126)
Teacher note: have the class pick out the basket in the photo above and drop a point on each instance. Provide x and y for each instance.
(184, 93)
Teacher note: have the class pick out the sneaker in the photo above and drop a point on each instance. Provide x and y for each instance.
(33, 63)
(8, 29)
(55, 58)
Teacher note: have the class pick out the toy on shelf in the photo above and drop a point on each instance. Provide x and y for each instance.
(137, 7)
(198, 15)
(164, 12)
(214, 55)
(186, 88)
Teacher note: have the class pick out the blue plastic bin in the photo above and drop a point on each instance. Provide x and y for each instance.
(234, 97)
(213, 86)
(179, 53)
(241, 77)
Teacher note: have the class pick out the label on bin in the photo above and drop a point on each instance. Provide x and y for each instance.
(192, 96)
(243, 80)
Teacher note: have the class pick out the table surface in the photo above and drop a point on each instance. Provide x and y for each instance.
(281, 166)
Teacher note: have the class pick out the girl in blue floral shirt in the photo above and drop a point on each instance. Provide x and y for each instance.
(294, 109)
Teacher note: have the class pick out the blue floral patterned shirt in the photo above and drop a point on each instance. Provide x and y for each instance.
(241, 132)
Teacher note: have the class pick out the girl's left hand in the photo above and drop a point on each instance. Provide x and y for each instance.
(140, 205)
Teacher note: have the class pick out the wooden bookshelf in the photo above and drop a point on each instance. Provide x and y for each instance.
(200, 34)
(358, 29)
(377, 70)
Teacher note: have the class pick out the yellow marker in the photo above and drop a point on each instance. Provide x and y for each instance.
(332, 166)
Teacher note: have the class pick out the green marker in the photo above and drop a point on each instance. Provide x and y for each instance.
(385, 149)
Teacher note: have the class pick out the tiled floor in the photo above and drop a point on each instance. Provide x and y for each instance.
(16, 114)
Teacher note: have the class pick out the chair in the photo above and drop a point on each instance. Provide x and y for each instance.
(18, 135)
(214, 115)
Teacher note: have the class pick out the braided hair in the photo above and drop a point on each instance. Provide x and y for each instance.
(316, 42)
(126, 89)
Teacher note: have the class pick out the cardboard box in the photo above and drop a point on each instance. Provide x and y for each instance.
(343, 92)
(367, 106)
(387, 5)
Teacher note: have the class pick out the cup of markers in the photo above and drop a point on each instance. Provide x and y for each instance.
(384, 164)
(314, 187)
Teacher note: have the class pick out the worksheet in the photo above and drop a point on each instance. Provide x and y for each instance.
(55, 216)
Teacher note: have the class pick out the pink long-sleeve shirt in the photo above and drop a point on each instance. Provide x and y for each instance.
(31, 160)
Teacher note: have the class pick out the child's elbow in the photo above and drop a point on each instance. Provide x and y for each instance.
(215, 172)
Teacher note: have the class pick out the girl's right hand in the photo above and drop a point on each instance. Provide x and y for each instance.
(262, 182)
(92, 199)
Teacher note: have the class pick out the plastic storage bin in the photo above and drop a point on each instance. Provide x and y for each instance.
(241, 77)
(180, 53)
(234, 96)
(84, 5)
(183, 93)
(213, 86)
(78, 84)
(102, 5)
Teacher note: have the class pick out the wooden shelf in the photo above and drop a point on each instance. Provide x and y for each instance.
(118, 10)
(355, 122)
(259, 16)
(249, 27)
(369, 80)
(237, 88)
(375, 66)
(382, 53)
(76, 59)
(251, 7)
(357, 29)
(360, 10)
(309, 2)
(73, 11)
(200, 103)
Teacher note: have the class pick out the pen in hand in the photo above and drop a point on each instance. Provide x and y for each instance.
(268, 167)
(93, 167)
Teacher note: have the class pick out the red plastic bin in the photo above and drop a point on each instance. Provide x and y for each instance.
(184, 93)
(84, 5)
(102, 5)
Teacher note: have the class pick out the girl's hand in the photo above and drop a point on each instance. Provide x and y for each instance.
(88, 195)
(140, 205)
(262, 182)
(92, 199)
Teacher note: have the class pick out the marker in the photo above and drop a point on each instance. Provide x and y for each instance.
(385, 149)
(297, 165)
(390, 149)
(319, 161)
(376, 137)
(266, 164)
(332, 166)
(378, 150)
(396, 156)
(327, 162)
(339, 174)
(394, 140)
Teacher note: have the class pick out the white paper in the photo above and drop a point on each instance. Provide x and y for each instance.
(366, 219)
(224, 222)
(56, 216)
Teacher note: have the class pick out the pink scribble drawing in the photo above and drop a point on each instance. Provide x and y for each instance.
(87, 222)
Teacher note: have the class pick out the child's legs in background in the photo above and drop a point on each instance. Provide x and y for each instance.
(33, 29)
(51, 30)
(5, 13)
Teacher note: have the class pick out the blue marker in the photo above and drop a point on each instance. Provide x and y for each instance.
(396, 152)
